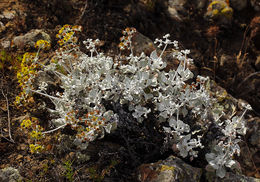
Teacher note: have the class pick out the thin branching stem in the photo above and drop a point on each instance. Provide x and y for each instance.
(46, 95)
(8, 117)
(55, 129)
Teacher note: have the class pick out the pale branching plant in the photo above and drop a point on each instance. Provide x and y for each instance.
(141, 83)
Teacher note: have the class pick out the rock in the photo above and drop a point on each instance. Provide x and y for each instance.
(8, 14)
(255, 139)
(254, 132)
(238, 4)
(201, 4)
(10, 174)
(46, 77)
(5, 43)
(257, 63)
(2, 27)
(19, 156)
(148, 4)
(141, 44)
(230, 177)
(176, 8)
(81, 158)
(29, 39)
(225, 59)
(23, 147)
(255, 4)
(220, 12)
(169, 170)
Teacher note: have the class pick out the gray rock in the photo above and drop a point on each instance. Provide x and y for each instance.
(51, 80)
(201, 4)
(168, 170)
(231, 177)
(254, 132)
(81, 158)
(29, 39)
(141, 44)
(257, 63)
(2, 27)
(8, 14)
(238, 4)
(255, 139)
(147, 4)
(174, 7)
(255, 4)
(5, 43)
(10, 174)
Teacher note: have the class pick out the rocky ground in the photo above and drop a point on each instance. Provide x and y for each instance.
(224, 43)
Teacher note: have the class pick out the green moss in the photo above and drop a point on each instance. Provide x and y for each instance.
(4, 58)
(7, 60)
(94, 175)
(68, 170)
(98, 175)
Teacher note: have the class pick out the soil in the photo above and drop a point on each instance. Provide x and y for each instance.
(227, 54)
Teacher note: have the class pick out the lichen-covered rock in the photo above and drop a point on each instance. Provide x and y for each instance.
(220, 12)
(10, 174)
(168, 170)
(250, 151)
(29, 39)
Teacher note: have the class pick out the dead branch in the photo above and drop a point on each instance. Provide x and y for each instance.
(8, 118)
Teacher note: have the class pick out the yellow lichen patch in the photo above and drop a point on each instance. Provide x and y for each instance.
(167, 168)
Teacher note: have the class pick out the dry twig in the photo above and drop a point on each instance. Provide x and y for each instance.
(8, 119)
(83, 12)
